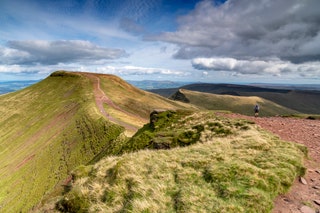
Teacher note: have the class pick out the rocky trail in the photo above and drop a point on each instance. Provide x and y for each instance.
(304, 196)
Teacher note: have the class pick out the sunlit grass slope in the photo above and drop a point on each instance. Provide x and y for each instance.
(134, 105)
(238, 104)
(48, 129)
(45, 131)
(217, 165)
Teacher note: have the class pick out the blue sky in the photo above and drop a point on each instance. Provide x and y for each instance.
(180, 40)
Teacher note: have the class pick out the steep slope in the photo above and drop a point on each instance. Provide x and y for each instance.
(210, 164)
(48, 129)
(125, 104)
(237, 104)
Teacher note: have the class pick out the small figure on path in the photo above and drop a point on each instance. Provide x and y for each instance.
(256, 110)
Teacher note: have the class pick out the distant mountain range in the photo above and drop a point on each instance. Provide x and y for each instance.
(11, 86)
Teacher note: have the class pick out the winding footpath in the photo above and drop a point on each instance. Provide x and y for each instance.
(101, 98)
(304, 196)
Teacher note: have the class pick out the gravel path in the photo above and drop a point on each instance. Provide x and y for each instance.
(302, 197)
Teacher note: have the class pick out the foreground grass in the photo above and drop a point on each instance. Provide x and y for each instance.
(226, 166)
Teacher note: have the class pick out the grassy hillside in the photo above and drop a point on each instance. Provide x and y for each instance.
(237, 104)
(210, 164)
(131, 105)
(48, 129)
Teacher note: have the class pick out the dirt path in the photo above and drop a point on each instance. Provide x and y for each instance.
(301, 197)
(101, 98)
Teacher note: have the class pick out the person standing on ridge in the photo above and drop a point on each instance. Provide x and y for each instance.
(256, 110)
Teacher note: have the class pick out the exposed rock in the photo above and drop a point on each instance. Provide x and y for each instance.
(317, 202)
(307, 209)
(179, 96)
(316, 187)
(303, 181)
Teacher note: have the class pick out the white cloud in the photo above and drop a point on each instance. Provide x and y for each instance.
(136, 72)
(133, 70)
(274, 67)
(55, 52)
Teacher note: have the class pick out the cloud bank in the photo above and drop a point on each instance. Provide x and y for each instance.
(133, 70)
(242, 29)
(257, 67)
(55, 52)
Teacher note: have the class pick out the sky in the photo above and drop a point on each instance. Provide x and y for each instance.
(217, 41)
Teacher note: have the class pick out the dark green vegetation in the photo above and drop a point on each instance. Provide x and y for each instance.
(303, 101)
(217, 165)
(48, 129)
(167, 131)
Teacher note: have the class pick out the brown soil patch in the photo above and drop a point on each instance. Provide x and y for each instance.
(25, 161)
(303, 131)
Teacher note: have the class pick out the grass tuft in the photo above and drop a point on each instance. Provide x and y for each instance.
(242, 171)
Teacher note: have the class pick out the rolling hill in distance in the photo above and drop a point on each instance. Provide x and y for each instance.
(239, 104)
(303, 101)
(94, 134)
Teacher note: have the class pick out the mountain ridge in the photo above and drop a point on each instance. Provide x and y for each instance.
(49, 128)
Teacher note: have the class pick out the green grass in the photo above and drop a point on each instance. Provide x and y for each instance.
(135, 101)
(46, 131)
(230, 166)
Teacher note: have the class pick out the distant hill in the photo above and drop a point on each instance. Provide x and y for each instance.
(303, 101)
(238, 104)
(68, 119)
(149, 84)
